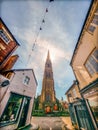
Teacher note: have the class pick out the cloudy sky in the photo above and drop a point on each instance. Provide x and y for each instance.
(59, 34)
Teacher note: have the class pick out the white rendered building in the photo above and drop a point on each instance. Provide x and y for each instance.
(16, 99)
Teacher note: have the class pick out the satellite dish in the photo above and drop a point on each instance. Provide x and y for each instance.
(5, 83)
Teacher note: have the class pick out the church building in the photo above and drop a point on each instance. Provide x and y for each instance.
(47, 97)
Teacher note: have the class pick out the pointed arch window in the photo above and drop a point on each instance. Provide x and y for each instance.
(48, 97)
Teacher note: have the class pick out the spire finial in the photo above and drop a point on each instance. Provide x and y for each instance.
(48, 56)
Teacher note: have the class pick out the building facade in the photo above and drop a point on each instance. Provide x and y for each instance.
(47, 97)
(73, 93)
(16, 100)
(85, 67)
(8, 45)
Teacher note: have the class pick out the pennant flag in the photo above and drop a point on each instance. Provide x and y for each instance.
(51, 0)
(40, 28)
(43, 21)
(33, 46)
(46, 10)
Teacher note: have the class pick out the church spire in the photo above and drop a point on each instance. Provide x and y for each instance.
(48, 55)
(48, 92)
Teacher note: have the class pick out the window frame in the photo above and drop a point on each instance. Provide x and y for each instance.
(90, 64)
(93, 23)
(6, 107)
(4, 36)
(26, 80)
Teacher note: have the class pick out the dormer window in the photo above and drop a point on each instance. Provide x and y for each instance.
(4, 36)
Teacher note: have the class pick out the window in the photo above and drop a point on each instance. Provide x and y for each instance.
(89, 68)
(91, 28)
(8, 75)
(48, 97)
(12, 109)
(48, 75)
(74, 92)
(95, 53)
(69, 95)
(93, 102)
(92, 63)
(48, 64)
(4, 37)
(95, 19)
(26, 80)
(2, 47)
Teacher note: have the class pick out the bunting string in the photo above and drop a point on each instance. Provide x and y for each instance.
(40, 29)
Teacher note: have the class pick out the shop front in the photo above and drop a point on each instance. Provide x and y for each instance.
(15, 112)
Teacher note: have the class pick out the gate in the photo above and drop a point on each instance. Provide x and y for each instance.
(80, 114)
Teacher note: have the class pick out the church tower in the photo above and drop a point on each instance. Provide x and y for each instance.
(48, 93)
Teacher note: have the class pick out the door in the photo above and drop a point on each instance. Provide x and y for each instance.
(83, 116)
(24, 112)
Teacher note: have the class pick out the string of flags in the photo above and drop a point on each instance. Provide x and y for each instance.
(40, 29)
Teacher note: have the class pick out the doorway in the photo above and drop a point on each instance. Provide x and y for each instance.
(24, 112)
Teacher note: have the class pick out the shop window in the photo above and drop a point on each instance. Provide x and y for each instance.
(12, 109)
(93, 102)
(92, 63)
(26, 80)
(4, 37)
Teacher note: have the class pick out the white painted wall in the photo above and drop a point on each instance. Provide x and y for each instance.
(17, 86)
(85, 47)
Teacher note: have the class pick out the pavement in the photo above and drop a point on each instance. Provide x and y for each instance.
(51, 123)
(68, 123)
